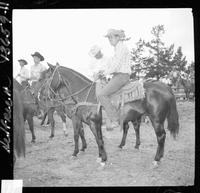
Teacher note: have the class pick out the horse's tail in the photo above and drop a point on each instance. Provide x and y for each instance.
(173, 117)
(18, 125)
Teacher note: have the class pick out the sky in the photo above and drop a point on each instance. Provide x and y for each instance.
(66, 35)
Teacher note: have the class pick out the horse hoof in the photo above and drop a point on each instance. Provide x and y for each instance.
(137, 147)
(33, 141)
(120, 146)
(73, 157)
(102, 164)
(98, 160)
(51, 136)
(155, 164)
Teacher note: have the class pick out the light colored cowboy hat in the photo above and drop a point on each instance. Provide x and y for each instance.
(24, 61)
(119, 33)
(38, 55)
(94, 50)
(115, 32)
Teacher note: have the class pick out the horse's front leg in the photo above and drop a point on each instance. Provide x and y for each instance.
(82, 135)
(96, 130)
(102, 151)
(43, 119)
(64, 123)
(52, 121)
(125, 131)
(31, 126)
(76, 126)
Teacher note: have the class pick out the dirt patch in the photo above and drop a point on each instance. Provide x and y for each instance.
(49, 162)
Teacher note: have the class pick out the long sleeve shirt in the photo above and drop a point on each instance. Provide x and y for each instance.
(23, 74)
(36, 71)
(120, 62)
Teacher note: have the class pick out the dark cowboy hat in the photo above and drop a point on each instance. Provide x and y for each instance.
(24, 61)
(38, 55)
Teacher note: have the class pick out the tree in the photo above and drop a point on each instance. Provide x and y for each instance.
(157, 65)
(179, 61)
(137, 58)
(159, 60)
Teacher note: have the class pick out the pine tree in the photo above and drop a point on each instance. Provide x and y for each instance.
(160, 60)
(137, 58)
(157, 63)
(179, 61)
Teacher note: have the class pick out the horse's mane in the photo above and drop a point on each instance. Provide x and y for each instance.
(78, 74)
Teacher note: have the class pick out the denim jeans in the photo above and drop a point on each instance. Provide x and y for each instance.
(113, 86)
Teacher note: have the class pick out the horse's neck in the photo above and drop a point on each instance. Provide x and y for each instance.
(79, 86)
(91, 94)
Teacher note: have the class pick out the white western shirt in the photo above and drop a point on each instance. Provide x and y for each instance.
(36, 71)
(120, 62)
(24, 74)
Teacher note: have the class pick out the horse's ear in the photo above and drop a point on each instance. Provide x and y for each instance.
(50, 66)
(57, 64)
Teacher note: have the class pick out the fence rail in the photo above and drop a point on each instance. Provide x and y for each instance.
(180, 93)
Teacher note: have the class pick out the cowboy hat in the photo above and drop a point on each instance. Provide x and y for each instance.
(115, 32)
(94, 50)
(119, 33)
(38, 55)
(24, 61)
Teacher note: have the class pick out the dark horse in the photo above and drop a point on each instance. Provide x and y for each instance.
(188, 85)
(30, 106)
(18, 126)
(159, 104)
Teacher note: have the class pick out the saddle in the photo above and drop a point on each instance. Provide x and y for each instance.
(131, 91)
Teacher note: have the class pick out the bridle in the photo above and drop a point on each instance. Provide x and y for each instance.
(67, 85)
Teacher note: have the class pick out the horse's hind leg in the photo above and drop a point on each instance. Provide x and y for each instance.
(136, 125)
(82, 135)
(31, 127)
(161, 135)
(125, 131)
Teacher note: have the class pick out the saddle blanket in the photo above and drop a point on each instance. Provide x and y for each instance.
(130, 92)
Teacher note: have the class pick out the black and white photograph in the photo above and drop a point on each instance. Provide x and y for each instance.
(103, 97)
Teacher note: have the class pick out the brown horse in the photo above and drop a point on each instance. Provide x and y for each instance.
(159, 104)
(18, 125)
(30, 106)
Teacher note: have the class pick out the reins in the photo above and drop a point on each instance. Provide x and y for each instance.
(71, 95)
(47, 85)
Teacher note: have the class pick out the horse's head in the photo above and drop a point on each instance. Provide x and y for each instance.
(42, 81)
(47, 73)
